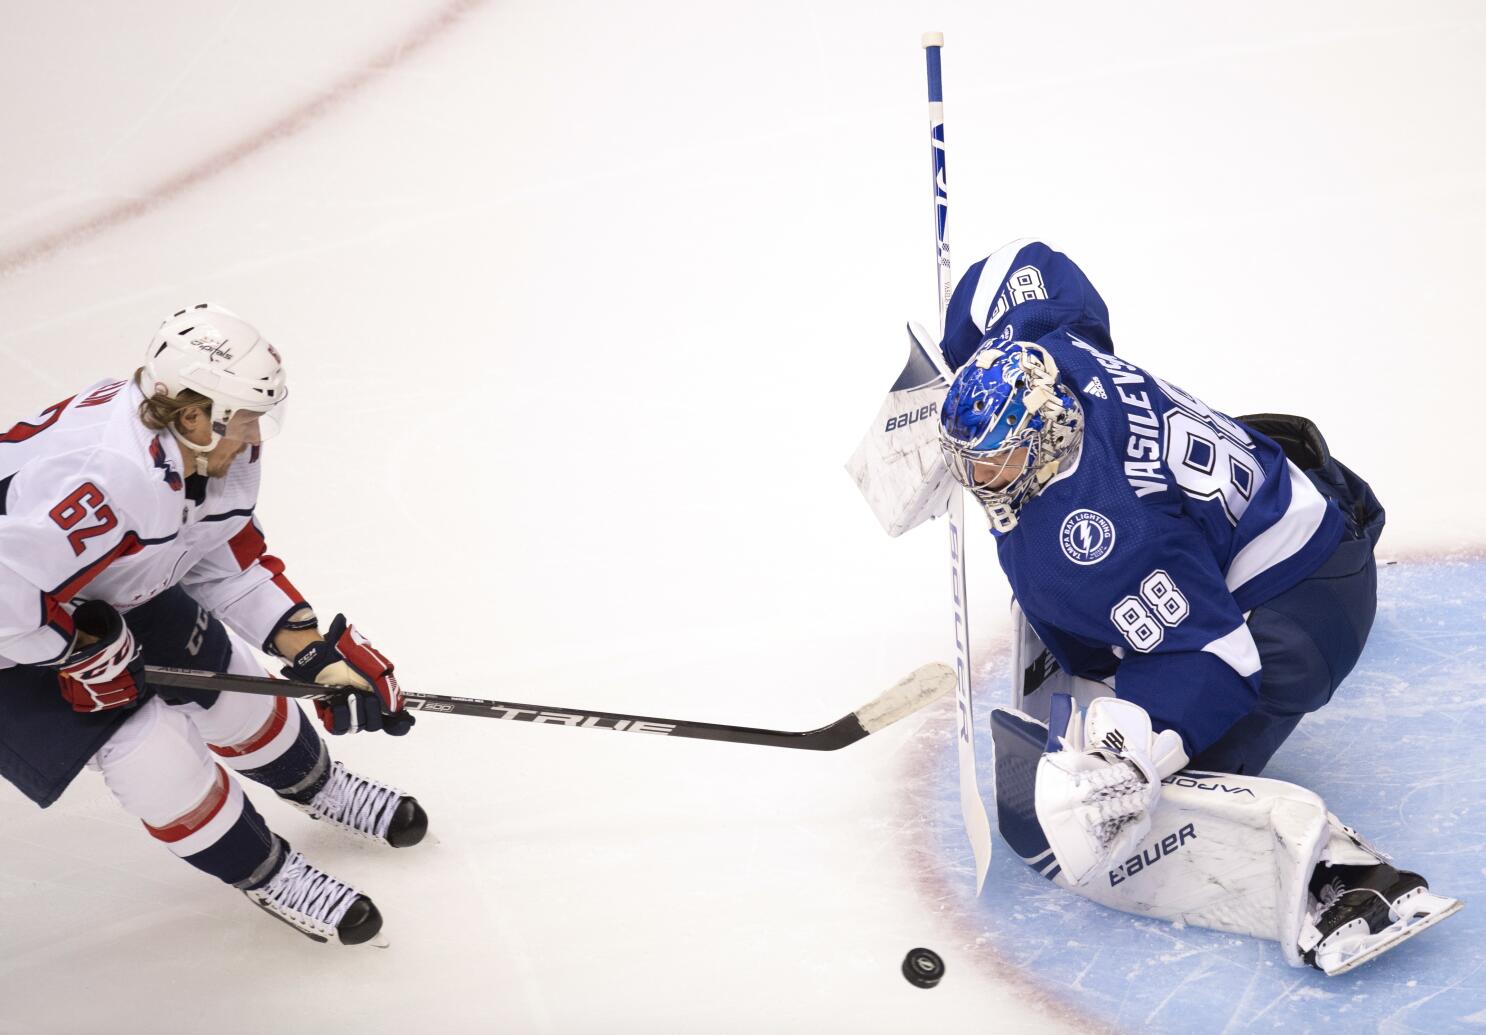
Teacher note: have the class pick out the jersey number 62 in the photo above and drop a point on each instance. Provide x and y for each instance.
(84, 501)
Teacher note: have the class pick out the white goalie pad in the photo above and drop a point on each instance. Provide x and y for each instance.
(1230, 853)
(1036, 675)
(898, 466)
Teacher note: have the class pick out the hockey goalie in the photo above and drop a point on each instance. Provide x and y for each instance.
(1188, 586)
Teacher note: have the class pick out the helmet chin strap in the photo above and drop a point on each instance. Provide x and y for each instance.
(193, 450)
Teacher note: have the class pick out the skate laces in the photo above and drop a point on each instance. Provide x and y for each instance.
(1328, 893)
(356, 803)
(301, 888)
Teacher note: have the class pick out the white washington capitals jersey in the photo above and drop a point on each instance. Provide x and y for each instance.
(1172, 522)
(94, 505)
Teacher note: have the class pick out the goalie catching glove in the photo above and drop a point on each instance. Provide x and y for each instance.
(369, 697)
(1099, 780)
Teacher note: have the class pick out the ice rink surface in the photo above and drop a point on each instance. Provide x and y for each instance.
(584, 305)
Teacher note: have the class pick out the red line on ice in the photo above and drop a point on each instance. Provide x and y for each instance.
(287, 125)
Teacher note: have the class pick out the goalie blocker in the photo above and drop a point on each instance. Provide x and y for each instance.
(1232, 853)
(898, 465)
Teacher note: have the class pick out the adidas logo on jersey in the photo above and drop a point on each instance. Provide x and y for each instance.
(1095, 387)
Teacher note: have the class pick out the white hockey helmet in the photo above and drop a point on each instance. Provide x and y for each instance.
(213, 351)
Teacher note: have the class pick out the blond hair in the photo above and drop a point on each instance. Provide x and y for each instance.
(160, 411)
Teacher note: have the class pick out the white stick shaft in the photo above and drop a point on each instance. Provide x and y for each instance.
(972, 804)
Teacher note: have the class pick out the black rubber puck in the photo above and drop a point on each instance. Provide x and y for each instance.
(923, 967)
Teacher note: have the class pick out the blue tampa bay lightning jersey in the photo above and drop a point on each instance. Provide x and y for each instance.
(1144, 554)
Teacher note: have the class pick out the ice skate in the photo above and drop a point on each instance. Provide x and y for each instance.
(317, 905)
(368, 808)
(1366, 910)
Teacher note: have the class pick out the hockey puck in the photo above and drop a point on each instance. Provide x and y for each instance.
(923, 967)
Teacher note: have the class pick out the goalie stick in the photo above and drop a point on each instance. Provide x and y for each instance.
(972, 804)
(908, 695)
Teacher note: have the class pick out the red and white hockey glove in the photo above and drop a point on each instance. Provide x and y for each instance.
(106, 673)
(370, 699)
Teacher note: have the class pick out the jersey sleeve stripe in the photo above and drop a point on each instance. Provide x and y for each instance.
(247, 545)
(55, 616)
(130, 544)
(275, 567)
(1237, 650)
(23, 431)
(996, 267)
(1283, 539)
(242, 512)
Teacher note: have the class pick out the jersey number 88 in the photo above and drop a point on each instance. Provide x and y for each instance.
(1144, 619)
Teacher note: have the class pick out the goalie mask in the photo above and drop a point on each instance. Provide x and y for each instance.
(1007, 425)
(217, 353)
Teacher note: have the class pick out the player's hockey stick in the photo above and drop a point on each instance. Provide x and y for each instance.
(972, 805)
(908, 695)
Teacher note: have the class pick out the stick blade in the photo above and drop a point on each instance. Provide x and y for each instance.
(908, 695)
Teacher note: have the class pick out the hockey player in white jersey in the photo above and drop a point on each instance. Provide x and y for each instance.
(128, 536)
(1210, 579)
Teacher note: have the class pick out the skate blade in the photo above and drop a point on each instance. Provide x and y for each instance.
(379, 942)
(1443, 907)
(311, 935)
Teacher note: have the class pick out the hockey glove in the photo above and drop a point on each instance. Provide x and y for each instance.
(370, 698)
(1099, 781)
(106, 673)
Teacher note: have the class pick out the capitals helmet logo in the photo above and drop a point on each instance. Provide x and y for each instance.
(1087, 536)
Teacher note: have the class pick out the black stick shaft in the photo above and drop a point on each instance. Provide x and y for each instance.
(845, 730)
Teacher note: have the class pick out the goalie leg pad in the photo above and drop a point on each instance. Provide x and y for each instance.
(1224, 852)
(1235, 854)
(1230, 853)
(1018, 740)
(1036, 675)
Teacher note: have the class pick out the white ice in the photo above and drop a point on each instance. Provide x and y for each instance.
(585, 305)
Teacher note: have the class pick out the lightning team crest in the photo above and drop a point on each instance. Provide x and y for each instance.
(1087, 536)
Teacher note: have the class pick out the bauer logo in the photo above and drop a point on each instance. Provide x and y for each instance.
(1152, 855)
(903, 420)
(1087, 537)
